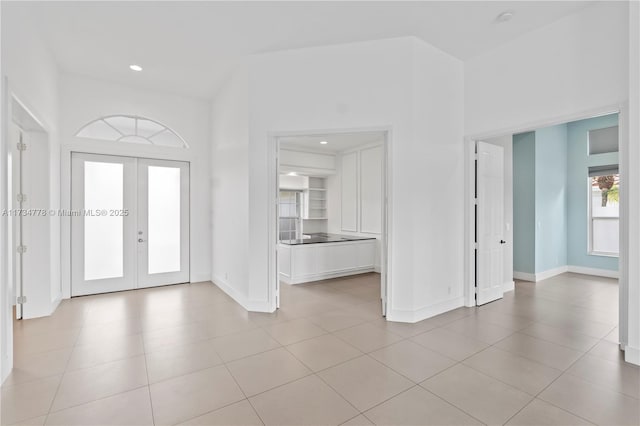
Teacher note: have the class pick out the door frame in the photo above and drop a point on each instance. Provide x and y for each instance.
(469, 214)
(67, 286)
(273, 147)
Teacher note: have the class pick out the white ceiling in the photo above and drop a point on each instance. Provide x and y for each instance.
(190, 47)
(335, 142)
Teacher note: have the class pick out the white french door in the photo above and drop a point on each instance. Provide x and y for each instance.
(130, 223)
(489, 222)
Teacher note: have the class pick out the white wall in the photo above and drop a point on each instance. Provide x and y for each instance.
(573, 67)
(416, 92)
(230, 187)
(32, 76)
(83, 100)
(578, 63)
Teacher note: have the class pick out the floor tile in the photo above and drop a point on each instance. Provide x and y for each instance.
(547, 353)
(35, 343)
(521, 373)
(608, 350)
(365, 382)
(480, 330)
(540, 413)
(481, 396)
(449, 343)
(186, 397)
(36, 421)
(27, 400)
(359, 420)
(294, 331)
(308, 401)
(594, 403)
(617, 376)
(240, 345)
(112, 349)
(237, 414)
(418, 407)
(404, 329)
(38, 366)
(173, 361)
(266, 370)
(159, 339)
(336, 320)
(412, 360)
(323, 352)
(125, 409)
(563, 337)
(367, 337)
(85, 385)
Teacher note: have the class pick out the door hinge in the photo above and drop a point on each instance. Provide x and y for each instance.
(475, 156)
(475, 201)
(476, 246)
(21, 198)
(21, 249)
(21, 300)
(21, 146)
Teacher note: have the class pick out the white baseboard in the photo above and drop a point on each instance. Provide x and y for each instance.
(632, 355)
(524, 276)
(425, 312)
(509, 286)
(549, 273)
(594, 271)
(249, 305)
(324, 276)
(200, 278)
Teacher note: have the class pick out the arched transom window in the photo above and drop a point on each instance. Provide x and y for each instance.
(132, 129)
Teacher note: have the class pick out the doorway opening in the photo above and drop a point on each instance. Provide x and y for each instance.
(331, 227)
(129, 223)
(546, 221)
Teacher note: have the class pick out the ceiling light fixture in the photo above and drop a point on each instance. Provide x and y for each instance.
(505, 16)
(323, 142)
(135, 67)
(292, 174)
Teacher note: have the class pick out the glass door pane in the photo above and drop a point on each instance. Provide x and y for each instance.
(103, 228)
(164, 219)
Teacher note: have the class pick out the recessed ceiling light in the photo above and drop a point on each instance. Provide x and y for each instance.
(135, 67)
(505, 16)
(323, 142)
(292, 174)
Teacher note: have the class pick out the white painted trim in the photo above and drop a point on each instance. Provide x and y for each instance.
(593, 271)
(249, 305)
(550, 273)
(508, 286)
(199, 278)
(632, 355)
(425, 312)
(524, 276)
(324, 276)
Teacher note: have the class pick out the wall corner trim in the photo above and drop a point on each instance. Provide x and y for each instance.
(632, 355)
(249, 305)
(396, 315)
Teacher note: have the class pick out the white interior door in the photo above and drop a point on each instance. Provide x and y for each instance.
(489, 222)
(103, 234)
(163, 222)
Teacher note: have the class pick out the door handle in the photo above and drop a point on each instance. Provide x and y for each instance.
(503, 242)
(140, 240)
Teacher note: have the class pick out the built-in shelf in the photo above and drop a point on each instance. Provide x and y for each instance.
(316, 199)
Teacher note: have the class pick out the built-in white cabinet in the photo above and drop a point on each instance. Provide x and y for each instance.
(311, 262)
(315, 199)
(361, 173)
(308, 163)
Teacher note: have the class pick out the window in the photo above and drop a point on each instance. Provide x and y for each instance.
(604, 210)
(132, 129)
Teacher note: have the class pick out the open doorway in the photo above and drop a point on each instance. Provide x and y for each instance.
(331, 225)
(547, 223)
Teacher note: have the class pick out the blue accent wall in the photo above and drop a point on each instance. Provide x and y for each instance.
(551, 198)
(524, 155)
(578, 166)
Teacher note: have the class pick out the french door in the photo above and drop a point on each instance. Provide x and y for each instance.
(129, 223)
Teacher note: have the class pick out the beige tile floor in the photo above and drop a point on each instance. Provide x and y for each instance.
(188, 354)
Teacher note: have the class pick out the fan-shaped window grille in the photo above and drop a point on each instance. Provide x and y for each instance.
(132, 129)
